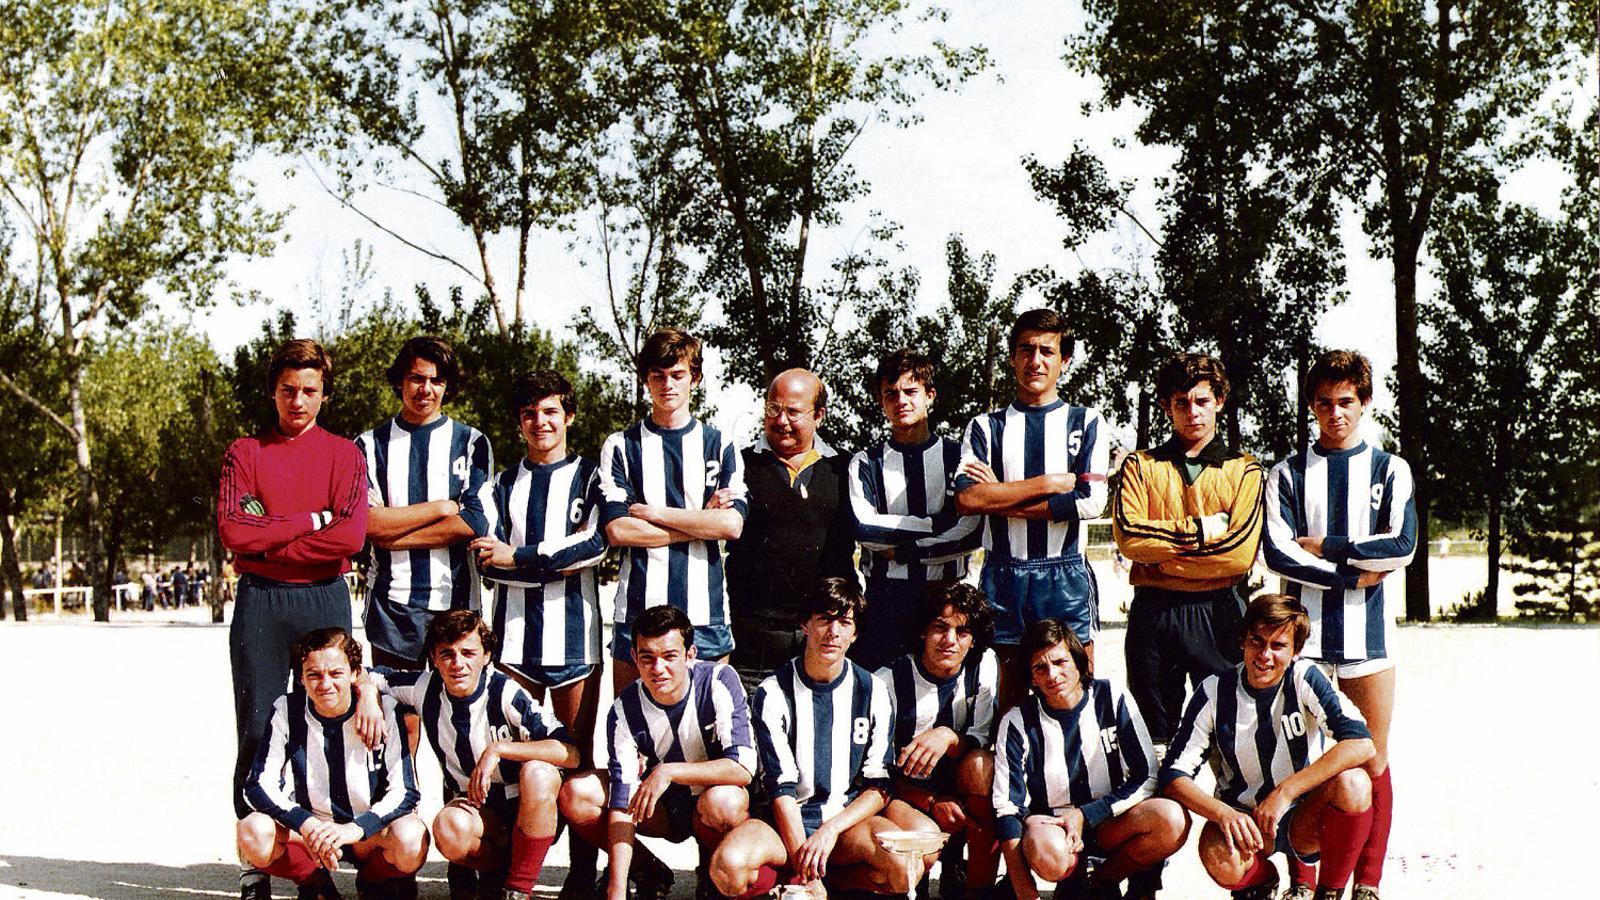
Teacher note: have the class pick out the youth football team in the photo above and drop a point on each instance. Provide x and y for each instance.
(974, 711)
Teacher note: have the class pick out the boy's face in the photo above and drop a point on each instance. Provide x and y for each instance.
(460, 664)
(670, 387)
(421, 392)
(1338, 409)
(905, 402)
(298, 396)
(828, 637)
(544, 424)
(663, 663)
(946, 642)
(1037, 360)
(1268, 652)
(1193, 414)
(326, 676)
(1054, 674)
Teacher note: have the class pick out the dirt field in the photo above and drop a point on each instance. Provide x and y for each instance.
(117, 747)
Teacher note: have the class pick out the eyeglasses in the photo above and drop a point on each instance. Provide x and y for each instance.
(774, 411)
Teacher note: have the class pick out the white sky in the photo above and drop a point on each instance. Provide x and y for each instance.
(957, 171)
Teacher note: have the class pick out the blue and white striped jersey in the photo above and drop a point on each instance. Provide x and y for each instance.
(1096, 756)
(712, 721)
(964, 702)
(461, 729)
(902, 500)
(407, 464)
(1359, 501)
(680, 468)
(309, 766)
(1254, 739)
(823, 744)
(1020, 442)
(551, 514)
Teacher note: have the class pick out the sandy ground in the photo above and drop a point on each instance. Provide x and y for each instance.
(117, 745)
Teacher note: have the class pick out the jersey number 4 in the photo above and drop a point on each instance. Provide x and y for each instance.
(460, 468)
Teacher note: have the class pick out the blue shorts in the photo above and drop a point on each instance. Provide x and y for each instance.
(710, 642)
(1026, 591)
(1281, 842)
(552, 676)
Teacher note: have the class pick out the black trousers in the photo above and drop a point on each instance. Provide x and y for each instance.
(1174, 634)
(268, 617)
(759, 649)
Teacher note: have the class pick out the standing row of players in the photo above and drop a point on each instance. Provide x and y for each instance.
(669, 488)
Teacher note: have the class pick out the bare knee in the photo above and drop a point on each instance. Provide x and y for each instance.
(539, 781)
(258, 838)
(582, 800)
(1169, 824)
(975, 773)
(408, 840)
(722, 806)
(1224, 866)
(733, 867)
(1051, 863)
(1351, 791)
(455, 831)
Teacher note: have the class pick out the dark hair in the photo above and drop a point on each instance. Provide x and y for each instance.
(433, 350)
(666, 348)
(1276, 611)
(835, 598)
(966, 600)
(300, 353)
(1047, 633)
(904, 361)
(449, 627)
(1042, 319)
(535, 386)
(1337, 366)
(322, 639)
(659, 620)
(1181, 373)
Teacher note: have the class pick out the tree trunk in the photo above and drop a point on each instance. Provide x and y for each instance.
(1491, 591)
(1413, 415)
(214, 583)
(1143, 440)
(10, 561)
(99, 570)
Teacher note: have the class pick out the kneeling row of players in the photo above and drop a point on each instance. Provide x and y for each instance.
(843, 754)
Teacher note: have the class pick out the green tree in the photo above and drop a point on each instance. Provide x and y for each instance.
(1395, 107)
(775, 95)
(487, 108)
(122, 129)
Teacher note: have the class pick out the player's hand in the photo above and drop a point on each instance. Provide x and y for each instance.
(918, 758)
(811, 859)
(1073, 823)
(483, 775)
(369, 717)
(978, 471)
(494, 552)
(949, 816)
(1312, 545)
(1368, 579)
(1268, 813)
(1240, 832)
(650, 791)
(322, 840)
(723, 498)
(1062, 482)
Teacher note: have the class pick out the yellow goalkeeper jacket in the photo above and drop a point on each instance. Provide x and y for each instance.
(1155, 517)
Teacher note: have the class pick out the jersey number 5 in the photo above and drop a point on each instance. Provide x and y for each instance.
(1075, 442)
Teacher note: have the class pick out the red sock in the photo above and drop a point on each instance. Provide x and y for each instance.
(1343, 833)
(1260, 866)
(527, 858)
(983, 856)
(766, 880)
(295, 864)
(1369, 865)
(378, 868)
(1301, 872)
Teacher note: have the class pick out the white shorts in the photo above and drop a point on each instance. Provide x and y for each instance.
(1358, 669)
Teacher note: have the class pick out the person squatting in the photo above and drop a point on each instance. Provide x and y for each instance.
(749, 715)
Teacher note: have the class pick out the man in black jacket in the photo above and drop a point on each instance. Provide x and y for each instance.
(798, 530)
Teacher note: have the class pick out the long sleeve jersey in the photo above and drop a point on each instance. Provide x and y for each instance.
(293, 509)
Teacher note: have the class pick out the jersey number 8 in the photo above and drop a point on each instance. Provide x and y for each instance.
(860, 731)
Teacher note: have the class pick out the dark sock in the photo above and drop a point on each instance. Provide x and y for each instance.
(1343, 833)
(1369, 864)
(527, 858)
(295, 864)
